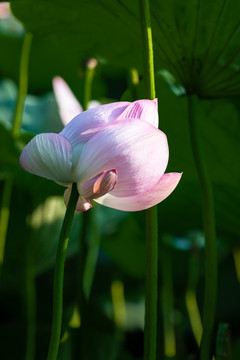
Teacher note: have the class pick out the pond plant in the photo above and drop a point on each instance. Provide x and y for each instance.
(143, 60)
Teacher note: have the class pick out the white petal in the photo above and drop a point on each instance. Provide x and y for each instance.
(50, 156)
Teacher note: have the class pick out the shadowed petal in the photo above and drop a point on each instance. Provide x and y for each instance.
(68, 104)
(82, 204)
(138, 152)
(146, 199)
(99, 185)
(50, 156)
(146, 110)
(92, 121)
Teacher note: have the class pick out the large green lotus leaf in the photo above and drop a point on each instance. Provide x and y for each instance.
(196, 41)
(220, 134)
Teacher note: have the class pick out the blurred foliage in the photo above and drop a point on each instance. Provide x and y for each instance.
(202, 55)
(203, 58)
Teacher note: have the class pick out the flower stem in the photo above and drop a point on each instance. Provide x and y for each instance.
(23, 84)
(17, 121)
(150, 330)
(4, 216)
(147, 46)
(58, 275)
(88, 79)
(210, 294)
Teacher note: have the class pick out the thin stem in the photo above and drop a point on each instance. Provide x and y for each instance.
(23, 84)
(4, 216)
(210, 294)
(17, 122)
(58, 275)
(89, 75)
(150, 330)
(147, 47)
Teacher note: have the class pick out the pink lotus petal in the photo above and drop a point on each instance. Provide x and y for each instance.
(146, 110)
(92, 121)
(99, 185)
(68, 104)
(50, 156)
(138, 152)
(4, 10)
(160, 191)
(82, 204)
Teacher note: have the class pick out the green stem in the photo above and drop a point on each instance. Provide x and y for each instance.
(4, 216)
(89, 75)
(17, 121)
(23, 84)
(150, 330)
(147, 47)
(210, 294)
(58, 275)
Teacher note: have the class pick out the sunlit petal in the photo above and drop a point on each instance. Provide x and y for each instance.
(50, 156)
(146, 110)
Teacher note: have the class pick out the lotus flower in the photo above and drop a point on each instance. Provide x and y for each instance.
(115, 153)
